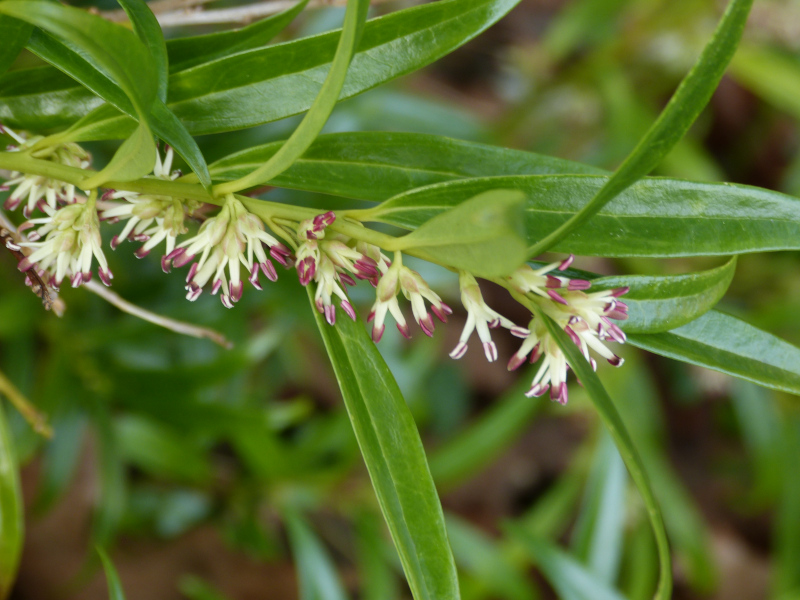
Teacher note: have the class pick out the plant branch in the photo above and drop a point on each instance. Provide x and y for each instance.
(177, 326)
(34, 418)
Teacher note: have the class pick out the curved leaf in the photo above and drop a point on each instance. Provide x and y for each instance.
(672, 124)
(147, 29)
(726, 344)
(15, 34)
(395, 459)
(11, 523)
(115, 591)
(267, 84)
(186, 52)
(654, 217)
(376, 165)
(616, 427)
(318, 114)
(134, 158)
(664, 302)
(483, 235)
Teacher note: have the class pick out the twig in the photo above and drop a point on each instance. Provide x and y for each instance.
(171, 324)
(34, 418)
(191, 12)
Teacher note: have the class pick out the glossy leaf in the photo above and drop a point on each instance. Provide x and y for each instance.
(15, 34)
(570, 579)
(267, 84)
(134, 159)
(11, 518)
(113, 50)
(317, 576)
(115, 591)
(616, 427)
(187, 52)
(671, 126)
(395, 459)
(321, 109)
(146, 27)
(654, 217)
(726, 344)
(663, 302)
(376, 165)
(484, 235)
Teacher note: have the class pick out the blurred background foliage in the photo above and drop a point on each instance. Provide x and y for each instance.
(215, 474)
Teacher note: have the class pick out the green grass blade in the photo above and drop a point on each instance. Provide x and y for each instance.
(115, 591)
(11, 520)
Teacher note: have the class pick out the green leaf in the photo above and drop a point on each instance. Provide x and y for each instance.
(599, 531)
(315, 570)
(147, 29)
(376, 165)
(15, 34)
(654, 217)
(113, 50)
(376, 575)
(318, 114)
(395, 459)
(570, 579)
(134, 159)
(483, 235)
(267, 84)
(68, 56)
(683, 108)
(615, 426)
(187, 52)
(115, 591)
(11, 519)
(726, 344)
(663, 302)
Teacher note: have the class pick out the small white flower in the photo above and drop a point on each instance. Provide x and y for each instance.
(70, 238)
(232, 238)
(482, 318)
(36, 188)
(543, 283)
(386, 301)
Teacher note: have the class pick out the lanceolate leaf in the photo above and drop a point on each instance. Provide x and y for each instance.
(484, 235)
(724, 343)
(11, 524)
(661, 303)
(271, 83)
(14, 34)
(318, 114)
(376, 165)
(395, 459)
(135, 157)
(147, 29)
(115, 591)
(186, 52)
(654, 217)
(615, 426)
(673, 123)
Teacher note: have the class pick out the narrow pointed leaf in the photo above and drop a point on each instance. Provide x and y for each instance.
(187, 52)
(664, 302)
(376, 165)
(675, 120)
(134, 159)
(615, 426)
(11, 520)
(723, 343)
(654, 217)
(147, 29)
(318, 114)
(483, 235)
(395, 459)
(115, 591)
(15, 34)
(267, 84)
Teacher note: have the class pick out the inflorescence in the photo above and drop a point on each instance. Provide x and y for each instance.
(66, 239)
